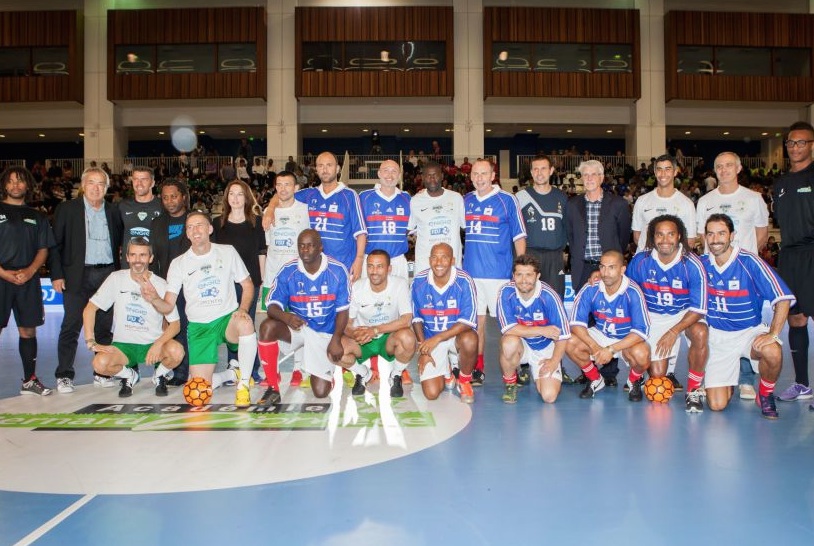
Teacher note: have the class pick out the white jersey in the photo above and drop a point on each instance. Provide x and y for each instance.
(135, 320)
(746, 208)
(281, 238)
(650, 205)
(369, 308)
(208, 281)
(436, 220)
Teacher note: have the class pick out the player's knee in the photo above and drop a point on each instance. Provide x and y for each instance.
(429, 390)
(698, 334)
(510, 345)
(549, 395)
(467, 341)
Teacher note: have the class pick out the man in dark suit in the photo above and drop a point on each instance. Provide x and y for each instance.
(597, 221)
(169, 240)
(88, 234)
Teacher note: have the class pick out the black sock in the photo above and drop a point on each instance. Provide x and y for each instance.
(28, 354)
(798, 344)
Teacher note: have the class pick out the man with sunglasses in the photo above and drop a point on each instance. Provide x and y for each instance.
(794, 212)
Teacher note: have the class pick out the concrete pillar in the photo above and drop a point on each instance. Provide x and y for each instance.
(468, 102)
(282, 110)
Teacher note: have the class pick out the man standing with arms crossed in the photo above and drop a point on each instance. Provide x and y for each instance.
(794, 211)
(493, 226)
(26, 236)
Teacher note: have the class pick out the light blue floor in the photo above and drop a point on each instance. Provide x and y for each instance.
(601, 471)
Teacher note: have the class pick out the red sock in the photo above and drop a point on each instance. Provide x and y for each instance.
(510, 380)
(464, 377)
(694, 380)
(590, 371)
(268, 352)
(634, 376)
(765, 388)
(479, 363)
(374, 363)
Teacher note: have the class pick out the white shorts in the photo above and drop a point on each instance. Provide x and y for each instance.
(659, 324)
(487, 293)
(398, 267)
(725, 351)
(533, 358)
(605, 341)
(315, 351)
(443, 353)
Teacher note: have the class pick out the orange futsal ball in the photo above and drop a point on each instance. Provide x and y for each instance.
(658, 389)
(197, 391)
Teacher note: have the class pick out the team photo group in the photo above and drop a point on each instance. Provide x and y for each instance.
(156, 285)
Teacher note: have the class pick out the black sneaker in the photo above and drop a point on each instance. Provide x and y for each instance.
(523, 375)
(271, 397)
(611, 382)
(358, 386)
(160, 386)
(694, 401)
(566, 379)
(478, 377)
(581, 379)
(396, 390)
(177, 381)
(635, 393)
(677, 386)
(592, 388)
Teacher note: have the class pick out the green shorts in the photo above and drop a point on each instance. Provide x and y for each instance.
(136, 353)
(264, 293)
(376, 346)
(204, 339)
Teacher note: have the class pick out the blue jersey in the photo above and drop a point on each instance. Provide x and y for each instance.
(386, 220)
(670, 288)
(737, 290)
(337, 217)
(543, 309)
(440, 308)
(493, 223)
(616, 316)
(314, 298)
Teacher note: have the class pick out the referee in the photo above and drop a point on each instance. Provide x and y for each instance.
(26, 236)
(794, 211)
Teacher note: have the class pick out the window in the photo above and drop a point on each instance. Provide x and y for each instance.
(50, 61)
(175, 59)
(791, 62)
(186, 58)
(373, 56)
(696, 60)
(544, 57)
(237, 58)
(745, 61)
(15, 61)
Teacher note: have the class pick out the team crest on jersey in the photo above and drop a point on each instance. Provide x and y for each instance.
(400, 211)
(539, 316)
(376, 209)
(324, 289)
(531, 218)
(135, 296)
(206, 269)
(677, 283)
(734, 285)
(620, 313)
(452, 304)
(333, 208)
(559, 208)
(300, 287)
(487, 211)
(437, 208)
(651, 275)
(142, 216)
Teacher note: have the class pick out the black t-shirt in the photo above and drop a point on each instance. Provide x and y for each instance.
(248, 240)
(23, 232)
(176, 233)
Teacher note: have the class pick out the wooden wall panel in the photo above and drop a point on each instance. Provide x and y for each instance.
(736, 29)
(187, 26)
(333, 24)
(44, 29)
(561, 25)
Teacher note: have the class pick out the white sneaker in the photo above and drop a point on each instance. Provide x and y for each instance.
(747, 392)
(104, 382)
(169, 375)
(65, 385)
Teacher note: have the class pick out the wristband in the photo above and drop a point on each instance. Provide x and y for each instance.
(777, 340)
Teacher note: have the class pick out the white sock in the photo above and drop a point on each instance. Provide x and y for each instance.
(298, 359)
(671, 365)
(219, 378)
(127, 373)
(359, 369)
(246, 353)
(398, 367)
(161, 370)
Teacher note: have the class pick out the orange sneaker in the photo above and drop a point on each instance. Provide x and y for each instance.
(405, 378)
(467, 394)
(296, 379)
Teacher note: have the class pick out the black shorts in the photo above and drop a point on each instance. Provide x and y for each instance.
(796, 267)
(552, 268)
(25, 301)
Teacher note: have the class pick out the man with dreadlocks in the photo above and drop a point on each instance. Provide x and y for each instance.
(675, 292)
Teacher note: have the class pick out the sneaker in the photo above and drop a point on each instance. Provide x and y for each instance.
(581, 379)
(796, 391)
(65, 385)
(177, 382)
(677, 386)
(34, 386)
(160, 386)
(243, 397)
(510, 393)
(358, 388)
(478, 378)
(233, 365)
(269, 398)
(767, 406)
(104, 381)
(396, 389)
(296, 379)
(747, 392)
(635, 393)
(449, 382)
(126, 389)
(611, 382)
(306, 382)
(592, 388)
(694, 401)
(466, 392)
(405, 378)
(566, 379)
(523, 375)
